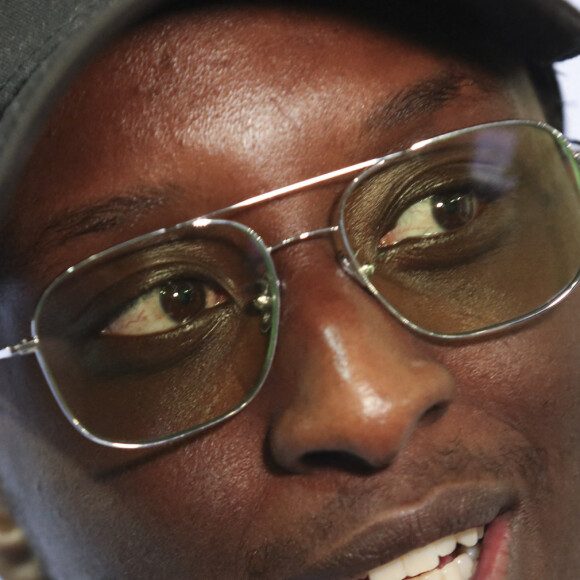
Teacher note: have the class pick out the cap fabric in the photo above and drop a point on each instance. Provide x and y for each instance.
(44, 43)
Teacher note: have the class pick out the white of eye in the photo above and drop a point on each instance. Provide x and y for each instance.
(150, 314)
(432, 216)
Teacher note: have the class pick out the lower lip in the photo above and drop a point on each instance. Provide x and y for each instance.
(494, 559)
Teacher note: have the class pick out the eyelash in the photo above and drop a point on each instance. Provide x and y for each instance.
(191, 295)
(433, 204)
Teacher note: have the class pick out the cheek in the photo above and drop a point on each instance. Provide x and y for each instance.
(168, 504)
(521, 395)
(529, 381)
(182, 507)
(197, 498)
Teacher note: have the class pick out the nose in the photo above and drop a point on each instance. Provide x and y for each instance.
(352, 384)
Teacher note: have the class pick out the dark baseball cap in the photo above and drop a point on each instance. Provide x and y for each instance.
(44, 43)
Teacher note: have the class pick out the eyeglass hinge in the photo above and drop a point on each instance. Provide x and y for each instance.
(22, 348)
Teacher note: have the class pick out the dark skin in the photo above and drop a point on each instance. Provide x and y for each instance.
(363, 432)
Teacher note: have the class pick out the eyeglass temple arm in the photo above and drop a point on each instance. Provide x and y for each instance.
(21, 349)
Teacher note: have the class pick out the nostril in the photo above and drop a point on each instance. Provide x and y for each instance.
(339, 460)
(434, 413)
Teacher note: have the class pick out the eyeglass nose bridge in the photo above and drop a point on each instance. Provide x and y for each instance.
(315, 234)
(363, 271)
(359, 274)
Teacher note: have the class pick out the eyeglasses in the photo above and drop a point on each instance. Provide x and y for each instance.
(460, 236)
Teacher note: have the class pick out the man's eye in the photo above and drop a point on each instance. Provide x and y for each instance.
(434, 215)
(166, 307)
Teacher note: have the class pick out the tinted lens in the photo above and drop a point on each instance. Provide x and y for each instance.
(471, 230)
(167, 333)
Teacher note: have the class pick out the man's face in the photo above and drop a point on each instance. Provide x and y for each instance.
(366, 441)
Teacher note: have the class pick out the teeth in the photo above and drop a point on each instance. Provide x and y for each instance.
(420, 560)
(445, 546)
(422, 563)
(394, 570)
(465, 564)
(473, 553)
(468, 538)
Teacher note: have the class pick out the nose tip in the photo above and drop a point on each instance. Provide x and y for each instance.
(359, 424)
(360, 385)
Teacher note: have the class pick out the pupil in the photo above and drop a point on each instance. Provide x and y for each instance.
(182, 295)
(181, 300)
(453, 212)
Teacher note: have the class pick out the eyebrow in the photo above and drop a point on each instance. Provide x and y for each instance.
(125, 207)
(425, 97)
(121, 208)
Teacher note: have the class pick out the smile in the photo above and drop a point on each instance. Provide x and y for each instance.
(454, 557)
(456, 533)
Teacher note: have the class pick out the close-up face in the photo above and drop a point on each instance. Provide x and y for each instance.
(368, 439)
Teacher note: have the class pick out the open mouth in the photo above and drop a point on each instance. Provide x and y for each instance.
(452, 558)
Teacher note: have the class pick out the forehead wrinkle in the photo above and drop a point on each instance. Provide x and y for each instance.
(423, 98)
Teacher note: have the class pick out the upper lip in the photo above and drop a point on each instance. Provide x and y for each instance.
(389, 536)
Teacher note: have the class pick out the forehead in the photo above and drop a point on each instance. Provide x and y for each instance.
(245, 79)
(195, 111)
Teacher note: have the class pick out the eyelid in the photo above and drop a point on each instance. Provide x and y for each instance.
(489, 185)
(482, 235)
(165, 322)
(118, 355)
(425, 211)
(97, 311)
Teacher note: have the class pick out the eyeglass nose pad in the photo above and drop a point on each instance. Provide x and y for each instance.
(360, 274)
(263, 305)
